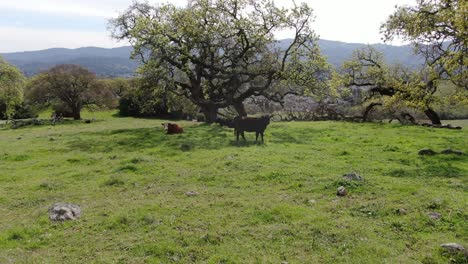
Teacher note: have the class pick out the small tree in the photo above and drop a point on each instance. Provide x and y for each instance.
(11, 88)
(219, 53)
(70, 85)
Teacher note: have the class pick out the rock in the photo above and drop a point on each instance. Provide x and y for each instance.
(64, 211)
(341, 191)
(401, 211)
(434, 215)
(427, 152)
(453, 247)
(452, 151)
(191, 193)
(352, 177)
(312, 201)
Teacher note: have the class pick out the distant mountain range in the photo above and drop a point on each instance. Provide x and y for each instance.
(116, 62)
(104, 62)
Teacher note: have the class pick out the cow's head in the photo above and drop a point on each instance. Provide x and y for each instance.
(267, 119)
(166, 126)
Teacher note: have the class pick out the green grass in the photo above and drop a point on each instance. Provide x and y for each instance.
(256, 203)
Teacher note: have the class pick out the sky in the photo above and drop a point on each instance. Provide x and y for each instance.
(27, 25)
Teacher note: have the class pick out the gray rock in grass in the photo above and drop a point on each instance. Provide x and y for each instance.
(427, 152)
(453, 247)
(401, 211)
(64, 211)
(341, 191)
(434, 216)
(452, 151)
(191, 193)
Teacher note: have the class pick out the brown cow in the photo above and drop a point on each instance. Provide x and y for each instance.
(172, 128)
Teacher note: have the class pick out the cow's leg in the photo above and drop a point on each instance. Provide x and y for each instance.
(261, 133)
(256, 136)
(243, 135)
(237, 135)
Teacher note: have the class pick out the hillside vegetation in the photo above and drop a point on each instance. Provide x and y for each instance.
(200, 197)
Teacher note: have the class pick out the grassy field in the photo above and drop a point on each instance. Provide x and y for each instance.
(256, 203)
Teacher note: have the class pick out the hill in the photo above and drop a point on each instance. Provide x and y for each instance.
(337, 52)
(104, 62)
(116, 61)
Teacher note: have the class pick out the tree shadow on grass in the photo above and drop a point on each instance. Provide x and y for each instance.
(439, 166)
(248, 143)
(129, 140)
(203, 136)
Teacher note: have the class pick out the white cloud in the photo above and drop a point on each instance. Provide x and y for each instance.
(56, 7)
(94, 8)
(25, 39)
(349, 21)
(353, 21)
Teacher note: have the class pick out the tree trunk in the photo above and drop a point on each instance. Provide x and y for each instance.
(76, 115)
(210, 112)
(368, 110)
(410, 118)
(76, 112)
(433, 116)
(240, 109)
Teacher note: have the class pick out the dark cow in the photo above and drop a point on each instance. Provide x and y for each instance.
(225, 122)
(250, 124)
(172, 128)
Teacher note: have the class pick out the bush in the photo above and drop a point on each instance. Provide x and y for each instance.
(22, 111)
(127, 106)
(132, 104)
(145, 100)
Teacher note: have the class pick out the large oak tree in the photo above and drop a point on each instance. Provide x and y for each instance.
(217, 53)
(391, 85)
(439, 31)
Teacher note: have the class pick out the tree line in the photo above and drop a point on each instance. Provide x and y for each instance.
(216, 55)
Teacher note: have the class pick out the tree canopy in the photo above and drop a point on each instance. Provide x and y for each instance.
(218, 53)
(391, 85)
(11, 87)
(70, 85)
(439, 30)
